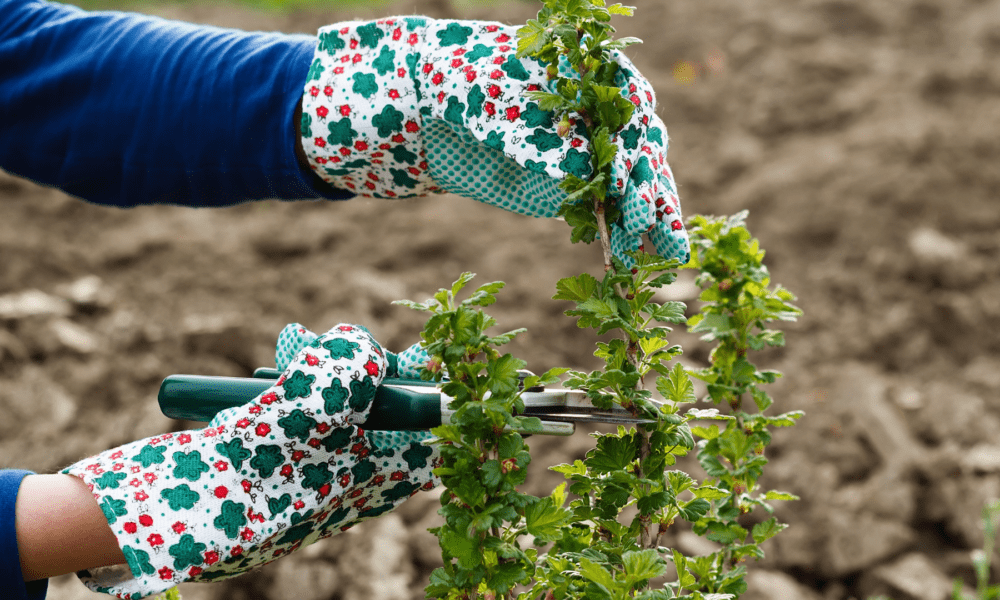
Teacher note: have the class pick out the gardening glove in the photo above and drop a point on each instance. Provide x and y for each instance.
(407, 106)
(263, 479)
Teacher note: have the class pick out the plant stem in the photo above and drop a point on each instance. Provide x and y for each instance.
(602, 229)
(644, 521)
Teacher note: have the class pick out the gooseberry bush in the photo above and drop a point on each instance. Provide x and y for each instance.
(598, 535)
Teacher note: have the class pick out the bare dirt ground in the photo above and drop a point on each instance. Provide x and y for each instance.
(860, 134)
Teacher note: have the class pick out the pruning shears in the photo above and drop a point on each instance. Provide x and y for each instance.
(399, 405)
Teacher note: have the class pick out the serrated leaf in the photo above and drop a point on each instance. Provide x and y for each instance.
(679, 481)
(549, 102)
(596, 573)
(577, 468)
(684, 577)
(767, 530)
(695, 509)
(621, 9)
(708, 492)
(532, 38)
(577, 289)
(643, 564)
(649, 504)
(502, 372)
(706, 433)
(708, 413)
(461, 282)
(677, 386)
(603, 148)
(528, 424)
(544, 520)
(558, 495)
(461, 547)
(761, 398)
(725, 534)
(491, 473)
(668, 312)
(601, 309)
(776, 495)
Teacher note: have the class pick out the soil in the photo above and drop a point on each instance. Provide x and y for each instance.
(860, 134)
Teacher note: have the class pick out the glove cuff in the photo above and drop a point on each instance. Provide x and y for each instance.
(360, 108)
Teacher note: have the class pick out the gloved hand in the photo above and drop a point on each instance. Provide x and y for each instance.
(263, 479)
(407, 106)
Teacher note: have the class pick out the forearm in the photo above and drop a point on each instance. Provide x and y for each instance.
(61, 529)
(125, 109)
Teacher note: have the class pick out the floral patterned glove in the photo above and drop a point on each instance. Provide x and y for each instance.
(408, 106)
(263, 479)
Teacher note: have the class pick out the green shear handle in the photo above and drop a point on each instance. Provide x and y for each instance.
(398, 405)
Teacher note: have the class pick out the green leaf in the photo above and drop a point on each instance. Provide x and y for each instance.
(505, 576)
(761, 398)
(713, 324)
(767, 530)
(643, 564)
(620, 9)
(461, 282)
(596, 573)
(708, 413)
(708, 492)
(684, 577)
(492, 476)
(695, 510)
(532, 38)
(677, 386)
(577, 289)
(502, 374)
(723, 533)
(604, 150)
(462, 547)
(544, 520)
(549, 102)
(613, 453)
(776, 495)
(669, 312)
(653, 502)
(706, 433)
(577, 468)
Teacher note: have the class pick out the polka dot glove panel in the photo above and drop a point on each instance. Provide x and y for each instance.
(262, 480)
(408, 106)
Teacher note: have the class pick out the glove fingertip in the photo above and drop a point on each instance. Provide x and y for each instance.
(293, 337)
(671, 243)
(411, 361)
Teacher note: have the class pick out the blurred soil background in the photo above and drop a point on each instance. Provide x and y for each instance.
(862, 135)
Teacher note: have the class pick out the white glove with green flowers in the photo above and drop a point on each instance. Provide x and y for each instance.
(407, 106)
(263, 479)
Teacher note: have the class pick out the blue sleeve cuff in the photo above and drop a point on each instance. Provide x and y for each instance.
(12, 584)
(126, 109)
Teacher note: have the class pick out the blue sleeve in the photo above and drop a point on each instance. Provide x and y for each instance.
(125, 109)
(12, 585)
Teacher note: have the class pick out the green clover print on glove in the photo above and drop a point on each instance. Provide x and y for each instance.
(283, 471)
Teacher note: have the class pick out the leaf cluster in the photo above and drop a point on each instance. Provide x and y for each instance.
(604, 530)
(484, 457)
(574, 39)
